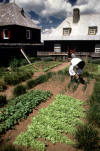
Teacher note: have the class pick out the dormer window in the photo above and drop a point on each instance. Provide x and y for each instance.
(92, 30)
(28, 34)
(66, 31)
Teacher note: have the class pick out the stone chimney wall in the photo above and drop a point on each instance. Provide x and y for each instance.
(76, 15)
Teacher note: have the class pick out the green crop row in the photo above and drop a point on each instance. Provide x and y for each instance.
(21, 107)
(50, 67)
(60, 117)
(13, 78)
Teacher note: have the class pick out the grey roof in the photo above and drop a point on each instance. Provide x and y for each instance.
(10, 14)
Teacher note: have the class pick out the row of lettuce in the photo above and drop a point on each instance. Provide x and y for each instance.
(20, 107)
(52, 122)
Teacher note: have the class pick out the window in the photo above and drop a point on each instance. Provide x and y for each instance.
(6, 34)
(92, 30)
(66, 31)
(57, 48)
(28, 34)
(97, 50)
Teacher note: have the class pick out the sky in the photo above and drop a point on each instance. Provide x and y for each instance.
(48, 14)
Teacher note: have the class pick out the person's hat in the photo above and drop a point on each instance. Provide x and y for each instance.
(71, 51)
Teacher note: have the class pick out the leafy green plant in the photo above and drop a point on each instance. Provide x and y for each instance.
(3, 100)
(21, 108)
(59, 117)
(87, 138)
(18, 90)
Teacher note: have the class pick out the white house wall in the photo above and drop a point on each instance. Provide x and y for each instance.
(79, 30)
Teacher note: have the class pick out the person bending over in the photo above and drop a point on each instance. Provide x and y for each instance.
(75, 70)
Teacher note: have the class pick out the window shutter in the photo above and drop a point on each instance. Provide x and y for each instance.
(9, 34)
(1, 35)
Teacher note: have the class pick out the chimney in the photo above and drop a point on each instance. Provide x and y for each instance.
(76, 15)
(22, 12)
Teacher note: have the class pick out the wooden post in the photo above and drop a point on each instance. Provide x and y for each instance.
(22, 51)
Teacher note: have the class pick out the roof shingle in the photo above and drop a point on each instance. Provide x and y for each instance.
(10, 14)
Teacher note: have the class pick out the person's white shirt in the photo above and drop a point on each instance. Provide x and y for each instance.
(73, 64)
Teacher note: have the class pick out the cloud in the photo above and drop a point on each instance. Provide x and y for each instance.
(36, 21)
(46, 8)
(88, 6)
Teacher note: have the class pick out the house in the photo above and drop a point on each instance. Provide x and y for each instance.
(78, 32)
(17, 31)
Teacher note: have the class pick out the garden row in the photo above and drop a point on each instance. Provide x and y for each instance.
(61, 117)
(87, 135)
(18, 74)
(20, 107)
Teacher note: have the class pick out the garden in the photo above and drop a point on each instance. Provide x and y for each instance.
(39, 112)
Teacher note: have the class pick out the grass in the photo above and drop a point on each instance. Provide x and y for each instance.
(87, 138)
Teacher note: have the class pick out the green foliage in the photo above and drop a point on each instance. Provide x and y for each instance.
(14, 63)
(41, 79)
(94, 61)
(87, 138)
(95, 98)
(10, 147)
(90, 67)
(2, 71)
(3, 100)
(13, 78)
(63, 72)
(18, 90)
(59, 117)
(51, 66)
(21, 107)
(93, 114)
(2, 85)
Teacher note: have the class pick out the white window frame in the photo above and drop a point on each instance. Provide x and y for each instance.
(4, 34)
(97, 50)
(92, 30)
(28, 34)
(66, 31)
(57, 47)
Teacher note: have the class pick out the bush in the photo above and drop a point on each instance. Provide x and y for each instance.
(14, 63)
(10, 147)
(93, 114)
(13, 78)
(18, 90)
(2, 71)
(39, 80)
(87, 138)
(3, 100)
(2, 85)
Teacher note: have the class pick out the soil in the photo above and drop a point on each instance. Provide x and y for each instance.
(56, 86)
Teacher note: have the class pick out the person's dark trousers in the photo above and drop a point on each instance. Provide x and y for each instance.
(81, 79)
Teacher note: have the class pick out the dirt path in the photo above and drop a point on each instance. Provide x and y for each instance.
(56, 86)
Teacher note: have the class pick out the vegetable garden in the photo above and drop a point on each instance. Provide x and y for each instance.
(56, 117)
